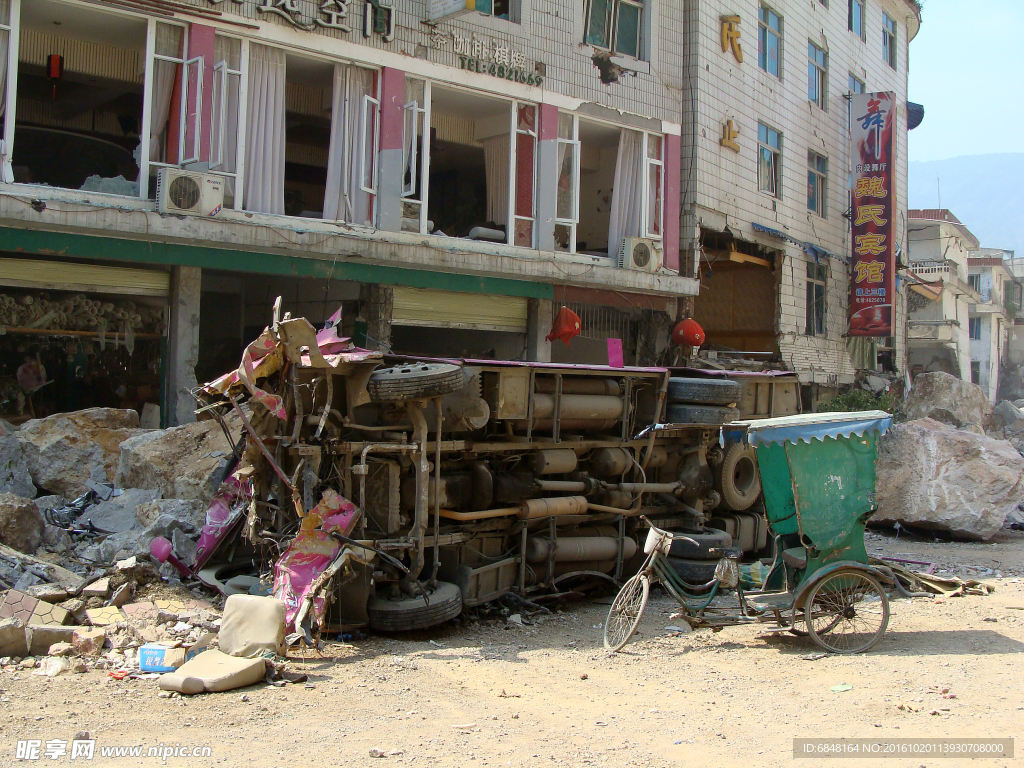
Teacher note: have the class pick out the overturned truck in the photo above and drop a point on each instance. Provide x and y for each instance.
(393, 492)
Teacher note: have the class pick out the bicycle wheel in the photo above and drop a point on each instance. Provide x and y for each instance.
(847, 612)
(626, 611)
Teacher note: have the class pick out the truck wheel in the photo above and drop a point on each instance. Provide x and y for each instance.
(694, 572)
(737, 477)
(711, 538)
(407, 613)
(701, 414)
(710, 391)
(412, 382)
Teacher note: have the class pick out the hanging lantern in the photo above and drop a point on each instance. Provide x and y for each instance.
(688, 333)
(566, 326)
(54, 70)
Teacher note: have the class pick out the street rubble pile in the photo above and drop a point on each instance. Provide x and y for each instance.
(86, 498)
(956, 465)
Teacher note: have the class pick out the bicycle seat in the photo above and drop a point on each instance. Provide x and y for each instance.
(795, 557)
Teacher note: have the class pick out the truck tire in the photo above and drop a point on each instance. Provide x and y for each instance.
(737, 478)
(679, 413)
(711, 538)
(408, 613)
(412, 382)
(693, 571)
(707, 391)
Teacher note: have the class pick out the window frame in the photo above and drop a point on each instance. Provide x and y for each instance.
(420, 151)
(817, 74)
(819, 178)
(776, 153)
(145, 168)
(574, 146)
(610, 42)
(220, 111)
(862, 6)
(13, 29)
(652, 165)
(816, 309)
(974, 327)
(890, 33)
(513, 195)
(763, 31)
(513, 11)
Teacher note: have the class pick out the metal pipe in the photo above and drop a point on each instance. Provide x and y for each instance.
(563, 486)
(437, 490)
(484, 514)
(646, 487)
(327, 406)
(361, 468)
(263, 448)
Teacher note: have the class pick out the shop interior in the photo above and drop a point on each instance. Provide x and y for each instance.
(309, 84)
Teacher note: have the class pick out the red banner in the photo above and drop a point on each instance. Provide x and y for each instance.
(873, 267)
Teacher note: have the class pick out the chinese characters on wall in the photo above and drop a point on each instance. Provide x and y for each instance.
(325, 14)
(873, 278)
(482, 54)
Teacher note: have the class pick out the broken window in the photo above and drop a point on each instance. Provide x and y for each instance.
(615, 25)
(80, 80)
(167, 116)
(816, 274)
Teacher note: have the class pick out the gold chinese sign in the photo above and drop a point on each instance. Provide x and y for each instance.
(731, 36)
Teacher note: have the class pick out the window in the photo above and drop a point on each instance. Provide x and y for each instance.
(817, 76)
(975, 372)
(975, 282)
(889, 40)
(974, 328)
(769, 40)
(817, 184)
(615, 25)
(857, 18)
(815, 299)
(653, 203)
(856, 86)
(567, 195)
(769, 160)
(225, 129)
(526, 173)
(499, 9)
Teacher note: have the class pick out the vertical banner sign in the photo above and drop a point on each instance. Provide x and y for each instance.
(873, 267)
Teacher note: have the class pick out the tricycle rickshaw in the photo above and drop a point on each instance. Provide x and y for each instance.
(818, 478)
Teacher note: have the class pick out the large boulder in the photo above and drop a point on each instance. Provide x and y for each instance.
(180, 461)
(933, 476)
(946, 398)
(118, 513)
(65, 450)
(14, 474)
(21, 525)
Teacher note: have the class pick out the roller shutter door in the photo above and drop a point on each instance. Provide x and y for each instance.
(71, 276)
(452, 309)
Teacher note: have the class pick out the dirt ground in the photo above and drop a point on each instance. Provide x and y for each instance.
(497, 694)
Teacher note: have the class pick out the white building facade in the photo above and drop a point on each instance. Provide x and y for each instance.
(991, 317)
(766, 173)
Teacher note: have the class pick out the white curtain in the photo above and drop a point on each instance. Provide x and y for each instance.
(496, 161)
(226, 50)
(624, 220)
(168, 38)
(6, 170)
(265, 132)
(344, 200)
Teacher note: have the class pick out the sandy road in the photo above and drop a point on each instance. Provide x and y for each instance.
(495, 694)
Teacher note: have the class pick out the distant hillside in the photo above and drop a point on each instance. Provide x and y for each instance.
(985, 192)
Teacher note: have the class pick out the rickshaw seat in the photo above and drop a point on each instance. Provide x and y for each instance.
(795, 557)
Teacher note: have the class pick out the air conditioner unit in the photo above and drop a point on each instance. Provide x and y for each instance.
(185, 192)
(640, 253)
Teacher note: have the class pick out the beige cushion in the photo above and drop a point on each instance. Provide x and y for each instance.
(251, 625)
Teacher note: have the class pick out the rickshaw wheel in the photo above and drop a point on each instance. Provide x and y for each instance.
(847, 612)
(626, 611)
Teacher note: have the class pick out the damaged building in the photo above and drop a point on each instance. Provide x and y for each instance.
(767, 176)
(447, 174)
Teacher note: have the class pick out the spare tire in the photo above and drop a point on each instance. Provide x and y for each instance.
(737, 478)
(710, 391)
(694, 572)
(710, 538)
(412, 382)
(407, 613)
(679, 413)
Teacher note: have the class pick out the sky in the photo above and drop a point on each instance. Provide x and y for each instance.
(967, 69)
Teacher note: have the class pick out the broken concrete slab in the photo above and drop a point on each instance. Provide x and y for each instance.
(51, 593)
(52, 573)
(17, 604)
(946, 398)
(98, 588)
(186, 510)
(104, 617)
(21, 525)
(13, 641)
(180, 461)
(64, 450)
(88, 641)
(118, 514)
(14, 474)
(42, 638)
(935, 477)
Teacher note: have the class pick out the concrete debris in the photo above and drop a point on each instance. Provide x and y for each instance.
(180, 509)
(934, 477)
(89, 642)
(21, 525)
(65, 450)
(946, 398)
(180, 462)
(14, 474)
(13, 640)
(1010, 416)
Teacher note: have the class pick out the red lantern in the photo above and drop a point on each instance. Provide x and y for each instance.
(688, 333)
(566, 326)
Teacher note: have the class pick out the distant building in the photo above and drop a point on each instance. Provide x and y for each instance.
(992, 317)
(940, 295)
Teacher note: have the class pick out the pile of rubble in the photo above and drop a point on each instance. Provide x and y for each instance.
(956, 465)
